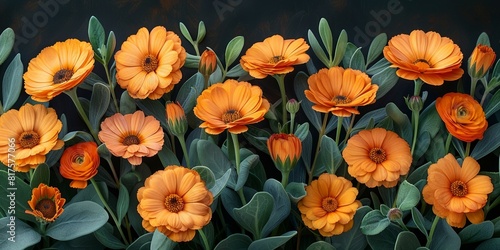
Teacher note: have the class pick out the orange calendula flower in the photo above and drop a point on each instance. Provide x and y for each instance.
(132, 136)
(463, 116)
(274, 56)
(428, 56)
(176, 202)
(285, 150)
(79, 163)
(58, 68)
(46, 203)
(481, 60)
(230, 105)
(457, 192)
(208, 62)
(340, 91)
(377, 157)
(176, 118)
(29, 133)
(148, 64)
(329, 205)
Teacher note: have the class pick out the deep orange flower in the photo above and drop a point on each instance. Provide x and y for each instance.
(377, 157)
(285, 150)
(29, 134)
(230, 105)
(132, 136)
(340, 91)
(208, 62)
(58, 68)
(274, 56)
(176, 118)
(176, 202)
(463, 116)
(457, 192)
(329, 205)
(79, 163)
(428, 56)
(481, 60)
(46, 203)
(148, 64)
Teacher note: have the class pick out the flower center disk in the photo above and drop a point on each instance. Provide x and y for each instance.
(230, 116)
(422, 64)
(276, 59)
(29, 139)
(47, 207)
(377, 155)
(329, 204)
(340, 99)
(131, 140)
(62, 76)
(459, 188)
(150, 64)
(174, 203)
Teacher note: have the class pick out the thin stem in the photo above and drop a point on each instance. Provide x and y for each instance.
(292, 122)
(417, 87)
(433, 228)
(339, 128)
(205, 81)
(204, 239)
(113, 171)
(351, 125)
(284, 178)
(182, 141)
(72, 94)
(321, 133)
(110, 211)
(281, 83)
(236, 146)
(473, 83)
(448, 143)
(467, 149)
(111, 86)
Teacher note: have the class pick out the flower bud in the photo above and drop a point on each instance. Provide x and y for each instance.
(414, 103)
(292, 106)
(481, 60)
(208, 63)
(285, 150)
(176, 119)
(394, 214)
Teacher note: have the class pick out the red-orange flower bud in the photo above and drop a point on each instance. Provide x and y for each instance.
(176, 118)
(208, 62)
(285, 150)
(79, 163)
(481, 60)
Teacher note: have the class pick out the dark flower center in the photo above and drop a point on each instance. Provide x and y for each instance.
(462, 111)
(377, 155)
(47, 207)
(329, 204)
(150, 63)
(459, 188)
(78, 159)
(422, 64)
(276, 59)
(62, 76)
(29, 139)
(230, 116)
(340, 99)
(131, 140)
(174, 203)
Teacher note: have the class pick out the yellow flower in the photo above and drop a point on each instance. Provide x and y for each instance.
(148, 64)
(33, 132)
(481, 60)
(132, 136)
(46, 203)
(79, 163)
(340, 91)
(329, 205)
(274, 56)
(231, 105)
(176, 202)
(377, 157)
(58, 68)
(457, 192)
(428, 56)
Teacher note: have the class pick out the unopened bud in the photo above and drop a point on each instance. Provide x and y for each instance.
(208, 62)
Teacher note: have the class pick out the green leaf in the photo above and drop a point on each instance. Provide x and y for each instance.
(408, 196)
(99, 103)
(13, 188)
(419, 221)
(476, 232)
(354, 238)
(206, 175)
(489, 143)
(296, 191)
(16, 234)
(189, 91)
(489, 244)
(374, 222)
(254, 215)
(185, 32)
(320, 245)
(202, 31)
(77, 135)
(493, 105)
(300, 85)
(245, 167)
(154, 108)
(89, 194)
(7, 39)
(78, 219)
(234, 242)
(376, 47)
(403, 125)
(445, 237)
(236, 71)
(430, 121)
(12, 82)
(281, 208)
(107, 238)
(233, 50)
(211, 155)
(406, 240)
(386, 80)
(302, 130)
(96, 35)
(317, 49)
(141, 243)
(375, 115)
(110, 46)
(167, 157)
(160, 241)
(340, 49)
(385, 239)
(326, 36)
(127, 103)
(40, 175)
(357, 60)
(272, 242)
(329, 156)
(122, 204)
(221, 183)
(483, 39)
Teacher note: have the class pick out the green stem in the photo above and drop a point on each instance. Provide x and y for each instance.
(74, 97)
(321, 133)
(284, 178)
(448, 143)
(467, 149)
(110, 211)
(292, 122)
(473, 83)
(204, 239)
(351, 125)
(182, 141)
(205, 81)
(281, 83)
(433, 228)
(236, 145)
(113, 171)
(339, 128)
(491, 206)
(417, 87)
(415, 115)
(111, 86)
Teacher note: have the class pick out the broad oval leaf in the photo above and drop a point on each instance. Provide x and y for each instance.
(254, 215)
(7, 39)
(234, 242)
(272, 242)
(477, 232)
(16, 234)
(408, 196)
(12, 82)
(99, 103)
(376, 47)
(233, 50)
(374, 222)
